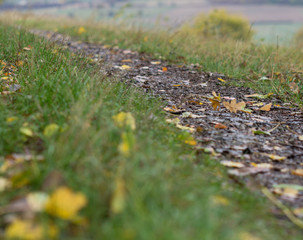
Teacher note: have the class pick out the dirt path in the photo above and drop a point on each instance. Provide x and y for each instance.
(263, 148)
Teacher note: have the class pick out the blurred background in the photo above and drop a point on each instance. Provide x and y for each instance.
(274, 21)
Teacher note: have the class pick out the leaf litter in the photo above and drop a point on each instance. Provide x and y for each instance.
(259, 142)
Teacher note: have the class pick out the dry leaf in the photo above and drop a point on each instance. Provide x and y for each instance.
(127, 61)
(81, 30)
(297, 172)
(298, 212)
(259, 96)
(215, 104)
(275, 157)
(266, 107)
(190, 129)
(37, 201)
(65, 204)
(262, 165)
(4, 184)
(117, 204)
(294, 87)
(220, 79)
(233, 106)
(232, 164)
(28, 230)
(155, 63)
(125, 67)
(301, 138)
(220, 126)
(164, 69)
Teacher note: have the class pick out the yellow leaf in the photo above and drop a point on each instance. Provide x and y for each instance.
(125, 67)
(266, 107)
(191, 142)
(222, 80)
(27, 230)
(155, 63)
(81, 30)
(297, 172)
(247, 236)
(118, 199)
(26, 131)
(220, 200)
(65, 204)
(127, 61)
(164, 69)
(50, 130)
(233, 106)
(4, 184)
(275, 157)
(11, 119)
(145, 39)
(215, 104)
(232, 164)
(125, 119)
(301, 138)
(190, 129)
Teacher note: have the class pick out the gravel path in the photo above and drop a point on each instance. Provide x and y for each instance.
(263, 148)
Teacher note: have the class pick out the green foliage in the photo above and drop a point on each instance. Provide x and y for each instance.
(298, 38)
(219, 24)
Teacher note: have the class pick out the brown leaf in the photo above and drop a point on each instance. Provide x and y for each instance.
(233, 106)
(266, 107)
(220, 126)
(215, 104)
(294, 87)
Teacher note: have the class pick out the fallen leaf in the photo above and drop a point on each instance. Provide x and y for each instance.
(190, 115)
(275, 157)
(127, 61)
(262, 165)
(173, 121)
(26, 131)
(4, 184)
(259, 96)
(289, 193)
(294, 87)
(27, 230)
(155, 63)
(297, 172)
(215, 103)
(51, 129)
(233, 106)
(259, 132)
(220, 126)
(232, 164)
(220, 200)
(125, 119)
(117, 204)
(190, 129)
(37, 201)
(28, 48)
(11, 119)
(298, 212)
(266, 107)
(241, 172)
(81, 30)
(220, 79)
(301, 138)
(125, 67)
(292, 186)
(173, 110)
(164, 69)
(65, 204)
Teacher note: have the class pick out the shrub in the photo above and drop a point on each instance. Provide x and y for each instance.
(298, 38)
(219, 24)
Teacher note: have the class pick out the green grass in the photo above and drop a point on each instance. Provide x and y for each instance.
(171, 192)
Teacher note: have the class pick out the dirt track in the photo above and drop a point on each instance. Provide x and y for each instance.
(261, 148)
